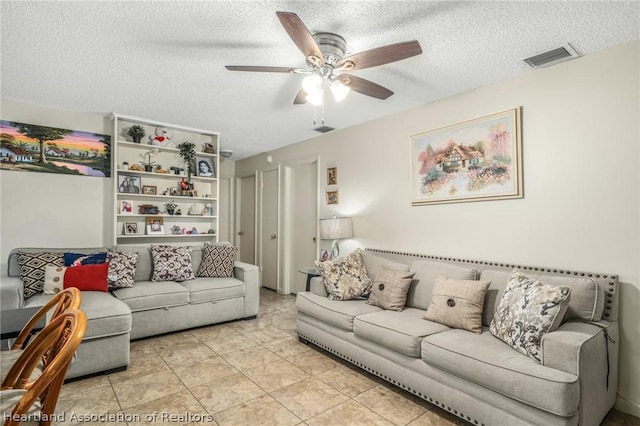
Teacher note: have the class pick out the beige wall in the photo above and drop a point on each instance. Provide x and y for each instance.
(581, 182)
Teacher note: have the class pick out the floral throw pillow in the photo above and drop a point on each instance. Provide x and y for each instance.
(345, 277)
(32, 270)
(217, 260)
(528, 310)
(122, 269)
(171, 263)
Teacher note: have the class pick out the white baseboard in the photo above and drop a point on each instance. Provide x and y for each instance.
(625, 405)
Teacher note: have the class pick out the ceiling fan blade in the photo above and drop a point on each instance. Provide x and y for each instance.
(258, 68)
(381, 55)
(365, 87)
(301, 98)
(300, 36)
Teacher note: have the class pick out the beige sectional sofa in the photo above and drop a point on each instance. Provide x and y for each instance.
(477, 377)
(146, 309)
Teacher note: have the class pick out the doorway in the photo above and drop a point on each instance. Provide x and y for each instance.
(246, 234)
(269, 228)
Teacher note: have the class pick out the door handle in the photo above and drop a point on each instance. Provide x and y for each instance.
(314, 239)
(240, 233)
(274, 236)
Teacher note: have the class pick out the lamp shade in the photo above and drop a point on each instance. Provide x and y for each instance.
(336, 228)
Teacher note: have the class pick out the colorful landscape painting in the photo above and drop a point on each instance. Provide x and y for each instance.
(475, 160)
(34, 148)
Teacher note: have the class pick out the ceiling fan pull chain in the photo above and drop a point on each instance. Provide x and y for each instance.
(314, 116)
(323, 107)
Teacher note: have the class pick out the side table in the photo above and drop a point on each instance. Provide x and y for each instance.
(311, 272)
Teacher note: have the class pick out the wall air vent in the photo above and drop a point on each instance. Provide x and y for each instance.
(552, 57)
(323, 129)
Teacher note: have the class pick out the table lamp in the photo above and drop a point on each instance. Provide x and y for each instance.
(336, 228)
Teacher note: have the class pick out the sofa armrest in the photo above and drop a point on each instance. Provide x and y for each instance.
(11, 293)
(316, 286)
(590, 352)
(250, 275)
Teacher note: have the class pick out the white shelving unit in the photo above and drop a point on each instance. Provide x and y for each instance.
(156, 189)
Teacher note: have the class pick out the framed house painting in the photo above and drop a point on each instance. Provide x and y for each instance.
(332, 176)
(475, 160)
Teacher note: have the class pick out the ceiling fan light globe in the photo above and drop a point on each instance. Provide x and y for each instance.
(339, 90)
(312, 84)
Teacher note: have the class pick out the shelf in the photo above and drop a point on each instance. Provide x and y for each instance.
(167, 236)
(165, 175)
(177, 216)
(179, 198)
(148, 147)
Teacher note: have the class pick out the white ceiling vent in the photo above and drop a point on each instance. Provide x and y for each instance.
(552, 57)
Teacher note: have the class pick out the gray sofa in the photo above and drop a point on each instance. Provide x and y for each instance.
(477, 377)
(146, 309)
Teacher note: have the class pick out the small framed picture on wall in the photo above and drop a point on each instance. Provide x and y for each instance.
(332, 176)
(130, 228)
(155, 225)
(332, 197)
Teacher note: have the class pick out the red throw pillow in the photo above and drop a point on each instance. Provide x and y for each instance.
(87, 277)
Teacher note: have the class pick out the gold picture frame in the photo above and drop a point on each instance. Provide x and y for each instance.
(155, 226)
(474, 160)
(332, 197)
(332, 176)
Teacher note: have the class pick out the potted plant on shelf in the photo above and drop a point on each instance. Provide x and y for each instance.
(171, 207)
(148, 164)
(188, 154)
(136, 132)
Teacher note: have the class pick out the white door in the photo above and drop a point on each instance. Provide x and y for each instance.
(225, 210)
(304, 222)
(270, 234)
(247, 223)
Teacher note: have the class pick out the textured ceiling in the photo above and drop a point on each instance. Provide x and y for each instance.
(165, 60)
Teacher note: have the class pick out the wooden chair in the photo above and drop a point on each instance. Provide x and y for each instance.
(35, 400)
(69, 298)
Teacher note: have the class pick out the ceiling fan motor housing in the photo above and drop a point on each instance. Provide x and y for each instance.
(332, 46)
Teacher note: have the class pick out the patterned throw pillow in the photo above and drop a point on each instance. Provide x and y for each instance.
(32, 269)
(76, 259)
(53, 279)
(345, 277)
(528, 310)
(217, 260)
(122, 269)
(389, 289)
(171, 263)
(458, 303)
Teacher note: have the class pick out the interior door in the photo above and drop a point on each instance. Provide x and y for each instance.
(304, 222)
(270, 233)
(247, 223)
(225, 210)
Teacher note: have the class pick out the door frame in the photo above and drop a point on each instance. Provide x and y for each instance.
(239, 210)
(230, 182)
(260, 206)
(287, 234)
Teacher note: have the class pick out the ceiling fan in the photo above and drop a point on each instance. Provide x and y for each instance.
(324, 52)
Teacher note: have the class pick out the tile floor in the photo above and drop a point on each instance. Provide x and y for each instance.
(247, 373)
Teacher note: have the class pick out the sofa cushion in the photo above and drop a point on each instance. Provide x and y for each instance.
(389, 289)
(146, 295)
(339, 313)
(77, 259)
(89, 277)
(345, 277)
(426, 271)
(528, 310)
(208, 289)
(399, 331)
(586, 303)
(487, 361)
(217, 260)
(458, 303)
(171, 263)
(106, 315)
(374, 264)
(32, 270)
(53, 279)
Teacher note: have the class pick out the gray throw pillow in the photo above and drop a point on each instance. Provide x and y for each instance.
(389, 289)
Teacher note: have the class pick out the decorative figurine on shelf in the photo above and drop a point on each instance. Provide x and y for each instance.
(193, 210)
(161, 138)
(211, 231)
(176, 230)
(171, 207)
(207, 210)
(208, 148)
(194, 231)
